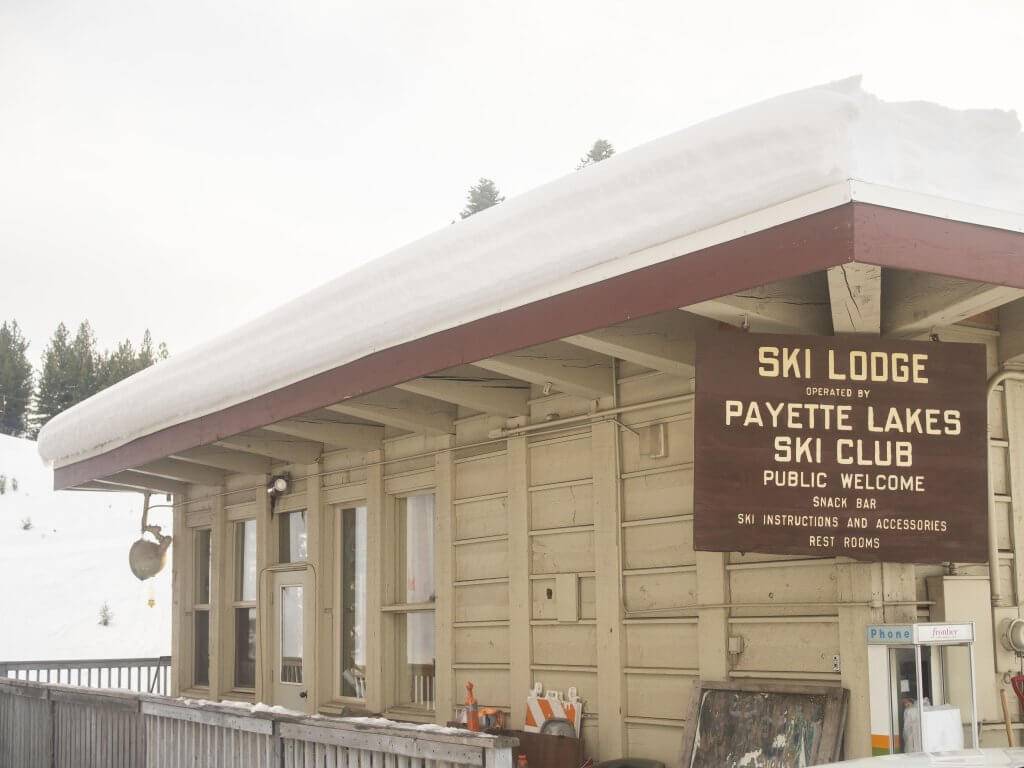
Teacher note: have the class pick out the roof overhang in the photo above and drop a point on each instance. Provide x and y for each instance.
(847, 231)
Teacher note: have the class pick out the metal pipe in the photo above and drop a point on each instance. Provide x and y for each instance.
(497, 434)
(993, 530)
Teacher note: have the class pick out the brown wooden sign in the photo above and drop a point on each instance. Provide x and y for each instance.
(865, 447)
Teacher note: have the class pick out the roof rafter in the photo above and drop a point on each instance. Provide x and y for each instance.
(336, 434)
(855, 295)
(666, 342)
(503, 397)
(798, 305)
(289, 449)
(184, 471)
(567, 368)
(402, 410)
(226, 459)
(138, 481)
(917, 302)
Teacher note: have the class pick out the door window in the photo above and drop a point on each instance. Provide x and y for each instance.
(291, 634)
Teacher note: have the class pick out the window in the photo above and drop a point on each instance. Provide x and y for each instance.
(244, 604)
(352, 545)
(414, 626)
(201, 608)
(292, 537)
(291, 634)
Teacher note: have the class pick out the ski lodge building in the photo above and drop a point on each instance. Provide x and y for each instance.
(483, 457)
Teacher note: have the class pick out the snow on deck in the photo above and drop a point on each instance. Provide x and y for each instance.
(56, 575)
(574, 231)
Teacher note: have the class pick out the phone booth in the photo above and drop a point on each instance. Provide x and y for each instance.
(921, 678)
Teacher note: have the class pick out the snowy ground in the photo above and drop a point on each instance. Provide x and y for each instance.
(55, 577)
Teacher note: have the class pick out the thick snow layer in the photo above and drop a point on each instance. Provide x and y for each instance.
(565, 234)
(55, 576)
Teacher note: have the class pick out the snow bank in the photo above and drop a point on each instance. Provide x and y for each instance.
(565, 234)
(57, 574)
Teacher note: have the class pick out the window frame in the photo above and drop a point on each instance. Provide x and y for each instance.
(237, 526)
(282, 542)
(397, 611)
(196, 607)
(337, 510)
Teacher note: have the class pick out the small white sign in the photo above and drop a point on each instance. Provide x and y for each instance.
(944, 633)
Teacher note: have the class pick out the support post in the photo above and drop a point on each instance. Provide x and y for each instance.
(444, 477)
(610, 678)
(266, 555)
(519, 598)
(178, 623)
(375, 698)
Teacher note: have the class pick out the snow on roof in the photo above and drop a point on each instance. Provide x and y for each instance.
(584, 227)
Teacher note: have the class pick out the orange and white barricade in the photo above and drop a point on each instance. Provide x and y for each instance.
(541, 707)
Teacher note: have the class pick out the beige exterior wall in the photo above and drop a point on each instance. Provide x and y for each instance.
(523, 520)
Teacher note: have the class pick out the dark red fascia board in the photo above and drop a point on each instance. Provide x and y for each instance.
(849, 232)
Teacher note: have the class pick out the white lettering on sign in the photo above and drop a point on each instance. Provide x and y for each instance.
(856, 365)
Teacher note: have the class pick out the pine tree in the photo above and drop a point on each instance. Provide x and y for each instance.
(481, 196)
(601, 150)
(15, 380)
(146, 357)
(84, 362)
(117, 365)
(56, 384)
(73, 369)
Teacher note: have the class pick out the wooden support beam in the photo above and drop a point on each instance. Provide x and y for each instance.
(1011, 333)
(337, 434)
(665, 342)
(917, 302)
(565, 367)
(226, 459)
(855, 294)
(401, 410)
(293, 450)
(472, 388)
(137, 480)
(97, 485)
(184, 471)
(799, 305)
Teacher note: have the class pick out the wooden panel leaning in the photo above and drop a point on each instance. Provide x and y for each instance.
(796, 724)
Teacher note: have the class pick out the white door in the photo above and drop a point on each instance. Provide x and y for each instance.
(291, 636)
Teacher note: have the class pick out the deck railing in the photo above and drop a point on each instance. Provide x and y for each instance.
(149, 675)
(50, 726)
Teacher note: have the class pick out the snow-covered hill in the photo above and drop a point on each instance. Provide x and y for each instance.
(56, 575)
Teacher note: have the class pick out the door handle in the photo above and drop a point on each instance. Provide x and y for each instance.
(303, 694)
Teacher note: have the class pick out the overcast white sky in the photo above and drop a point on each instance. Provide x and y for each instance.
(186, 165)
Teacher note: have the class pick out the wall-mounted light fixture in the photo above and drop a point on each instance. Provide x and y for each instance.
(279, 485)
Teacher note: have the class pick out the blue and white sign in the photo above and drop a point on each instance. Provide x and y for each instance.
(890, 634)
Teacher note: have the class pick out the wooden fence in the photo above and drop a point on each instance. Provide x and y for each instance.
(150, 675)
(50, 726)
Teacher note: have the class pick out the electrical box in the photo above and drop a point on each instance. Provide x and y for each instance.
(567, 597)
(653, 442)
